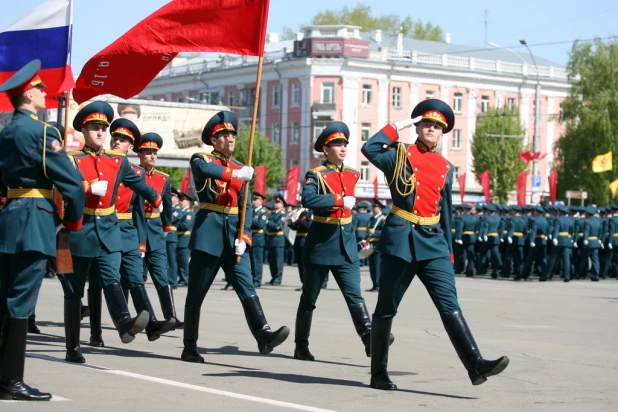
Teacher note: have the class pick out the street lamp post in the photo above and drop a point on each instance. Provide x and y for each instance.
(537, 116)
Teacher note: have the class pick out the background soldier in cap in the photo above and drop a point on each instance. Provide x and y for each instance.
(490, 231)
(331, 242)
(374, 230)
(591, 244)
(97, 248)
(171, 239)
(417, 237)
(276, 238)
(515, 241)
(215, 241)
(301, 224)
(158, 223)
(361, 221)
(537, 240)
(258, 224)
(561, 239)
(32, 159)
(612, 241)
(467, 233)
(184, 236)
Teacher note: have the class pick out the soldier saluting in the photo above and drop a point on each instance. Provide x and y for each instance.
(416, 239)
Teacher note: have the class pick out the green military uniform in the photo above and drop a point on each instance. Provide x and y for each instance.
(258, 224)
(301, 225)
(171, 242)
(591, 244)
(562, 235)
(276, 245)
(375, 224)
(185, 226)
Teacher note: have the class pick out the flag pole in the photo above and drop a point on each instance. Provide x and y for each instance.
(256, 101)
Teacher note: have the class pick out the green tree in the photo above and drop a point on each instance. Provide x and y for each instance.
(591, 112)
(287, 33)
(176, 174)
(265, 152)
(390, 24)
(500, 155)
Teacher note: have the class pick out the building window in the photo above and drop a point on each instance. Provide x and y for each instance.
(429, 94)
(274, 133)
(365, 131)
(328, 92)
(456, 173)
(484, 104)
(295, 94)
(276, 97)
(397, 97)
(230, 99)
(456, 144)
(367, 94)
(364, 172)
(318, 127)
(511, 103)
(458, 103)
(179, 99)
(241, 97)
(295, 132)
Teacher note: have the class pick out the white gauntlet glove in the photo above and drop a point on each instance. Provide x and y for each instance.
(555, 242)
(245, 173)
(349, 202)
(485, 238)
(99, 188)
(160, 208)
(239, 247)
(532, 244)
(405, 124)
(610, 246)
(510, 240)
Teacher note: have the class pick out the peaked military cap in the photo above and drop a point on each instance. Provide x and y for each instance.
(184, 196)
(175, 192)
(614, 206)
(258, 194)
(148, 141)
(220, 122)
(95, 112)
(125, 128)
(466, 206)
(590, 210)
(562, 208)
(334, 131)
(490, 207)
(269, 205)
(376, 202)
(280, 198)
(23, 80)
(539, 209)
(364, 204)
(436, 110)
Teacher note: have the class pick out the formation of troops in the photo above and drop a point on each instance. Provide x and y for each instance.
(123, 220)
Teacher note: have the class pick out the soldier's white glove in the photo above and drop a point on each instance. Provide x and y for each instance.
(555, 242)
(501, 240)
(479, 239)
(99, 188)
(459, 241)
(240, 247)
(586, 242)
(245, 173)
(349, 202)
(485, 238)
(609, 245)
(510, 240)
(602, 245)
(550, 236)
(160, 208)
(405, 124)
(532, 244)
(143, 254)
(574, 244)
(59, 228)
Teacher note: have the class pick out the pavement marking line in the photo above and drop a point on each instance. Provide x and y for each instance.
(529, 326)
(197, 388)
(53, 399)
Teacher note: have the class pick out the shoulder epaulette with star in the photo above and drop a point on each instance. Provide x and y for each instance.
(114, 153)
(318, 169)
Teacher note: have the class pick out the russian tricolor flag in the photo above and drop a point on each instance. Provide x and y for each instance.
(45, 34)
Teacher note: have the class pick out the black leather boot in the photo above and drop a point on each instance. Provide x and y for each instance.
(127, 326)
(72, 319)
(95, 300)
(362, 324)
(478, 368)
(301, 336)
(191, 333)
(126, 293)
(12, 386)
(155, 328)
(266, 339)
(85, 310)
(166, 298)
(32, 327)
(380, 342)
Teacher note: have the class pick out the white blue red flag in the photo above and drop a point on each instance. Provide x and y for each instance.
(44, 33)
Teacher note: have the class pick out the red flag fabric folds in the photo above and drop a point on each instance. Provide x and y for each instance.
(462, 186)
(259, 184)
(485, 180)
(375, 188)
(125, 67)
(292, 185)
(184, 183)
(553, 186)
(525, 157)
(520, 186)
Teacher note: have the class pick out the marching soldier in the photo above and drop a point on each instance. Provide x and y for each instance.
(32, 159)
(374, 229)
(467, 234)
(490, 232)
(185, 226)
(301, 224)
(171, 240)
(361, 223)
(591, 244)
(276, 237)
(515, 240)
(561, 240)
(416, 239)
(612, 241)
(216, 242)
(258, 224)
(331, 242)
(537, 240)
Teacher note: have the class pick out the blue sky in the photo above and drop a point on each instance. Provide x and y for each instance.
(548, 26)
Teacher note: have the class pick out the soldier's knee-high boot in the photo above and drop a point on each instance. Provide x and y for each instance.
(127, 326)
(301, 335)
(380, 342)
(266, 339)
(191, 333)
(32, 326)
(72, 319)
(166, 298)
(362, 324)
(478, 368)
(85, 310)
(155, 328)
(12, 386)
(95, 306)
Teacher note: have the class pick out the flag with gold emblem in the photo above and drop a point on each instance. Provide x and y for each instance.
(613, 186)
(602, 163)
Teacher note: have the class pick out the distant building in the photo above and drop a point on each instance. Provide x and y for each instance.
(338, 73)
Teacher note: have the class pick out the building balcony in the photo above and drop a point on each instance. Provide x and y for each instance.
(324, 110)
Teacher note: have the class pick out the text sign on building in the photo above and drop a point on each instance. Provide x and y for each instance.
(331, 48)
(576, 194)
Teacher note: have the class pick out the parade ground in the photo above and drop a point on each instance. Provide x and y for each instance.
(561, 339)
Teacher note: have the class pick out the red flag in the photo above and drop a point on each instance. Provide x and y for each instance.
(553, 185)
(292, 185)
(525, 157)
(485, 184)
(259, 184)
(539, 156)
(375, 188)
(520, 186)
(462, 186)
(125, 67)
(184, 183)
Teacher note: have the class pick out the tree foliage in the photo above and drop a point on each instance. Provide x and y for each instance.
(176, 174)
(265, 152)
(390, 24)
(499, 155)
(591, 112)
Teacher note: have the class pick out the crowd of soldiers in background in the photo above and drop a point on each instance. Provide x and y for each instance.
(520, 242)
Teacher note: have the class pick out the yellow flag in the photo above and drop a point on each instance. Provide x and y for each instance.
(602, 163)
(613, 186)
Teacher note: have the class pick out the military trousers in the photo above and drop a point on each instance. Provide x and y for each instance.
(21, 275)
(593, 255)
(172, 265)
(375, 262)
(275, 262)
(100, 271)
(559, 253)
(347, 277)
(536, 255)
(470, 254)
(204, 267)
(514, 258)
(298, 251)
(257, 264)
(156, 262)
(436, 274)
(131, 269)
(182, 259)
